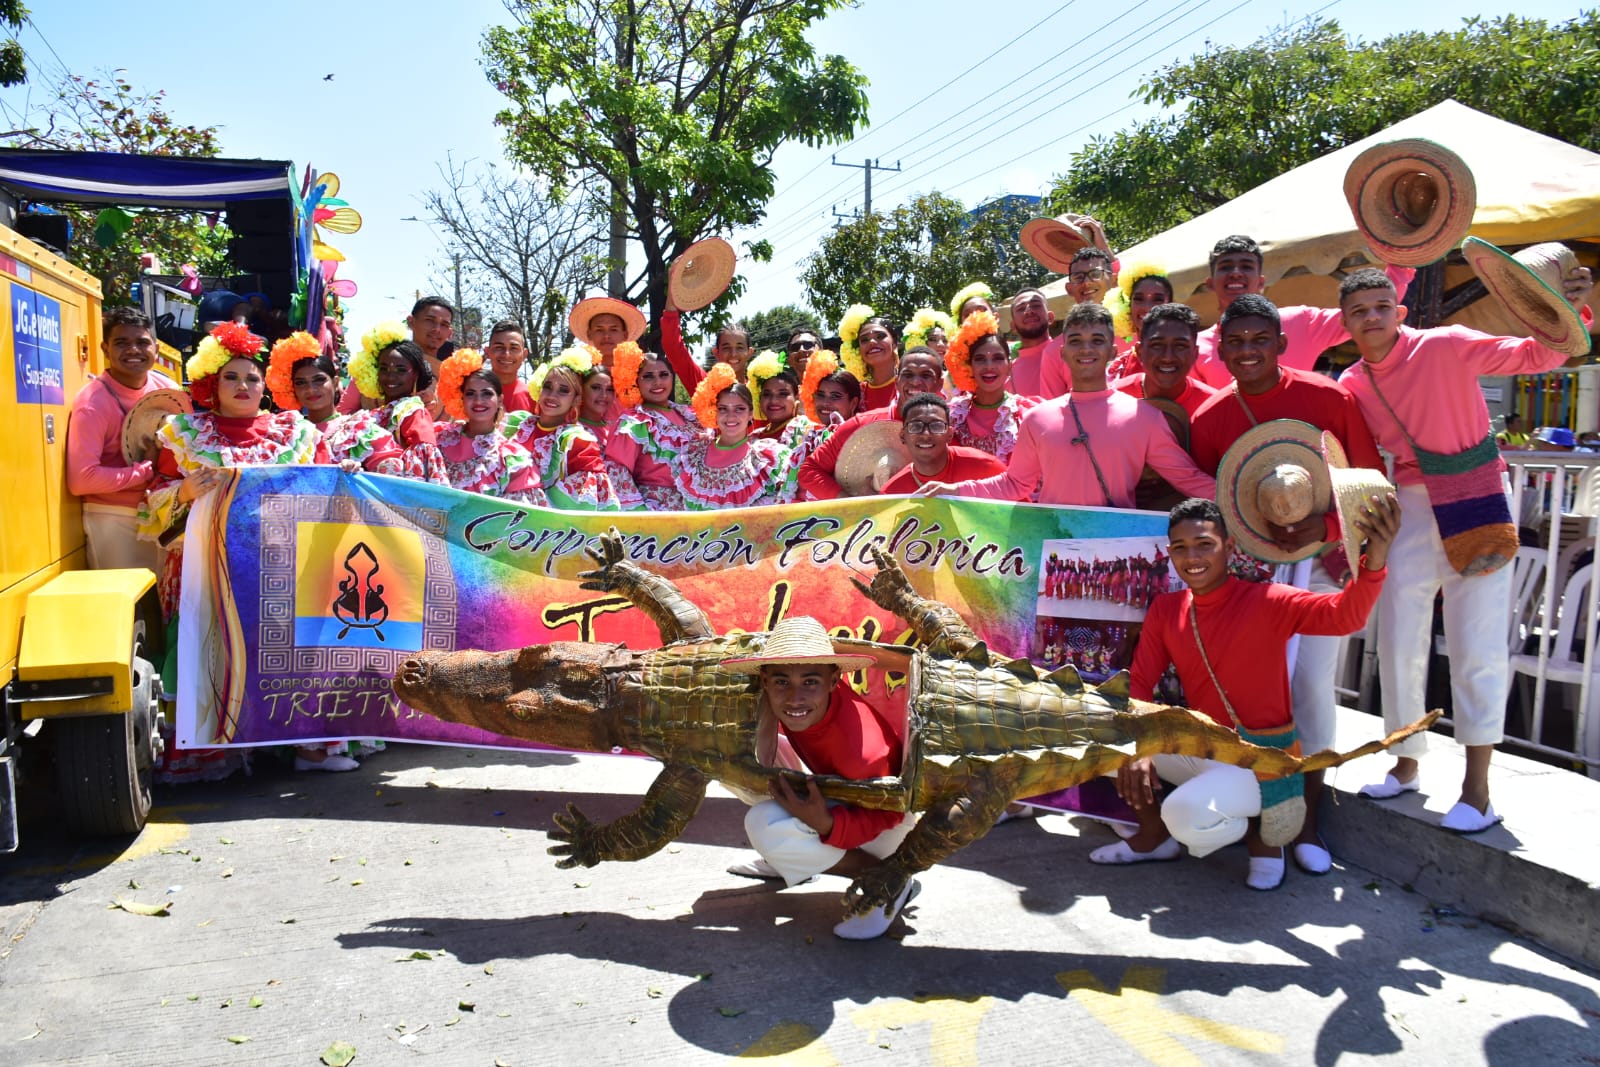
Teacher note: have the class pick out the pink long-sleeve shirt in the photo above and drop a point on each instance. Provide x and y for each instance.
(1430, 378)
(1125, 435)
(1028, 368)
(96, 470)
(1310, 332)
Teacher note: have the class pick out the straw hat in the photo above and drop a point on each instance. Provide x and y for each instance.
(1273, 472)
(1177, 418)
(796, 641)
(872, 455)
(1053, 242)
(632, 318)
(1351, 488)
(1529, 285)
(1412, 199)
(701, 274)
(139, 426)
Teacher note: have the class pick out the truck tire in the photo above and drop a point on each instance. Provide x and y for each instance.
(105, 764)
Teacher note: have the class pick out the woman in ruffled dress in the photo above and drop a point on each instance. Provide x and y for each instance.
(599, 412)
(301, 376)
(391, 368)
(477, 458)
(869, 350)
(983, 414)
(568, 459)
(776, 389)
(723, 467)
(653, 431)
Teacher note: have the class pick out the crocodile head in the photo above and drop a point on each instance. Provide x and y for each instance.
(553, 694)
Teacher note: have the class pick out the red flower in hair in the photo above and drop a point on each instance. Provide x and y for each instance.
(238, 340)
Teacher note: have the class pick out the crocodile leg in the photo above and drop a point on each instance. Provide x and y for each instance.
(938, 627)
(669, 804)
(674, 614)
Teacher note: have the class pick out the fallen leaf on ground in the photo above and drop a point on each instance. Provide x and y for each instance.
(224, 840)
(256, 1002)
(452, 1020)
(488, 968)
(227, 873)
(418, 954)
(357, 881)
(338, 1054)
(653, 992)
(134, 885)
(135, 907)
(467, 1005)
(238, 1039)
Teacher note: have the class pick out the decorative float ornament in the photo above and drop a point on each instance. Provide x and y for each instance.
(923, 322)
(626, 359)
(821, 364)
(766, 365)
(849, 329)
(717, 380)
(364, 365)
(227, 340)
(452, 372)
(280, 368)
(958, 360)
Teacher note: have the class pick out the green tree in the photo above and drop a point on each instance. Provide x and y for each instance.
(1245, 115)
(13, 63)
(771, 328)
(108, 114)
(919, 255)
(673, 109)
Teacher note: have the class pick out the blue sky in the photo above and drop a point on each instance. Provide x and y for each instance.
(973, 100)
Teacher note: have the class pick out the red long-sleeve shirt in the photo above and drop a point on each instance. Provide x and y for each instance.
(1245, 626)
(683, 363)
(1303, 395)
(816, 473)
(853, 740)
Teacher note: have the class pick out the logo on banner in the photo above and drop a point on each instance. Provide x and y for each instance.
(358, 586)
(36, 344)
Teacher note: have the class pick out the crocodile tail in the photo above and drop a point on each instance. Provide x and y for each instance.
(1317, 761)
(1179, 731)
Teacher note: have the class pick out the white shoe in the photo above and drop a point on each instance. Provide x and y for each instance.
(1391, 787)
(1120, 852)
(756, 868)
(1266, 872)
(1466, 819)
(1312, 858)
(1024, 811)
(328, 763)
(876, 922)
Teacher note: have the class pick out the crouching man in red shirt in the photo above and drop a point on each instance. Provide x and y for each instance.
(812, 720)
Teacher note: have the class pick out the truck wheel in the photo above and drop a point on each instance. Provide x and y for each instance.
(105, 764)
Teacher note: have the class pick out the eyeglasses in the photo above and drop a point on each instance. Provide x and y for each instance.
(920, 427)
(797, 346)
(1079, 277)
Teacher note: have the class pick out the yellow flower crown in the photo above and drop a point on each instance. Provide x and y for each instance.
(364, 364)
(766, 365)
(922, 323)
(626, 359)
(975, 289)
(1120, 300)
(582, 359)
(463, 362)
(958, 360)
(713, 385)
(849, 329)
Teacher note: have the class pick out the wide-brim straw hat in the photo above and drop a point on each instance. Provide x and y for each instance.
(1413, 200)
(1529, 285)
(701, 274)
(139, 426)
(1351, 488)
(1262, 452)
(632, 318)
(1053, 242)
(873, 455)
(796, 642)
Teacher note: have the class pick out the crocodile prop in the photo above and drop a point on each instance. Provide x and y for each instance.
(981, 730)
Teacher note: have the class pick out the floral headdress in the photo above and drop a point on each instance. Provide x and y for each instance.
(975, 289)
(626, 359)
(923, 322)
(581, 359)
(768, 364)
(713, 385)
(364, 364)
(821, 364)
(227, 340)
(280, 369)
(1120, 300)
(849, 329)
(958, 360)
(463, 363)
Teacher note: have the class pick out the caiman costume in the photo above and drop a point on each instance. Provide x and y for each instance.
(981, 730)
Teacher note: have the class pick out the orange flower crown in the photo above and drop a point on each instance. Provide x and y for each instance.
(452, 372)
(280, 369)
(958, 358)
(713, 385)
(626, 359)
(821, 364)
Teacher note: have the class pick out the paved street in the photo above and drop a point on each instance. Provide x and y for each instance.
(409, 910)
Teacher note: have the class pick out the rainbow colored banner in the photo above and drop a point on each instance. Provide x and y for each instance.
(305, 588)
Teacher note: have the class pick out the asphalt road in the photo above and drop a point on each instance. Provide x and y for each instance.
(408, 910)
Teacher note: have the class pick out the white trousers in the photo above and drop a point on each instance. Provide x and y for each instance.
(1213, 804)
(797, 852)
(1475, 613)
(112, 536)
(1311, 680)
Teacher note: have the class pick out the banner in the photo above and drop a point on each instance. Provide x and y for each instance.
(305, 588)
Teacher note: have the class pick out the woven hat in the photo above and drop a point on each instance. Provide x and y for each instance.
(1412, 199)
(701, 274)
(139, 426)
(1053, 242)
(632, 318)
(1529, 285)
(796, 641)
(1351, 488)
(1177, 418)
(1273, 471)
(872, 455)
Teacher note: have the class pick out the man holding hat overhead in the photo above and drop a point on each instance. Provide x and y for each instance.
(811, 719)
(1420, 394)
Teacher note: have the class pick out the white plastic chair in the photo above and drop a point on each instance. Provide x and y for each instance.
(1574, 612)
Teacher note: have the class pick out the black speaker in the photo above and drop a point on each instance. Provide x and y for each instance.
(50, 230)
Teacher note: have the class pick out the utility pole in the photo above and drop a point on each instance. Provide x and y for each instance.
(868, 167)
(456, 315)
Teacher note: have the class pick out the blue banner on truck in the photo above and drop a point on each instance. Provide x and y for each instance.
(36, 342)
